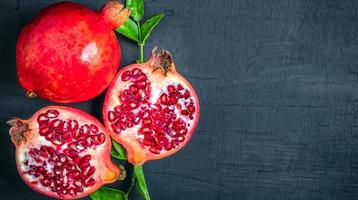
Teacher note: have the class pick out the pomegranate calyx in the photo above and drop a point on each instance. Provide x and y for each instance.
(17, 130)
(31, 94)
(162, 61)
(122, 173)
(114, 13)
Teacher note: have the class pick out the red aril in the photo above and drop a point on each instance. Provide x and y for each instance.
(151, 109)
(69, 53)
(63, 152)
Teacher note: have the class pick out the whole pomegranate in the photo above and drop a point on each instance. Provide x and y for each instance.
(63, 152)
(151, 109)
(69, 53)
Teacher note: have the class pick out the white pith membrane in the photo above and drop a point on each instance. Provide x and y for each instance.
(132, 136)
(28, 163)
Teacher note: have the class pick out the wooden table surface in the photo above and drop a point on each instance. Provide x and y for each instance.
(278, 87)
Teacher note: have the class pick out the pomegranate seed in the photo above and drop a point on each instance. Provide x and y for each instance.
(133, 89)
(84, 165)
(154, 150)
(115, 128)
(84, 131)
(164, 99)
(73, 125)
(183, 131)
(141, 77)
(180, 87)
(191, 108)
(79, 189)
(101, 138)
(126, 75)
(168, 146)
(55, 123)
(45, 182)
(144, 114)
(90, 182)
(140, 84)
(90, 171)
(70, 153)
(149, 141)
(181, 138)
(147, 121)
(136, 121)
(133, 105)
(118, 110)
(44, 131)
(72, 192)
(178, 106)
(172, 100)
(186, 94)
(136, 72)
(121, 125)
(166, 110)
(184, 112)
(112, 116)
(171, 89)
(123, 98)
(52, 113)
(42, 119)
(94, 128)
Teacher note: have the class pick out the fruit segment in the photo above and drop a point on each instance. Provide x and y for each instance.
(151, 109)
(62, 152)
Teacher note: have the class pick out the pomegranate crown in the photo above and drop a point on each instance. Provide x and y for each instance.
(114, 13)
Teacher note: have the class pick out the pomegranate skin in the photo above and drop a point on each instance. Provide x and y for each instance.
(69, 53)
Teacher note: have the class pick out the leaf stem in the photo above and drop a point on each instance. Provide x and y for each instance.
(141, 43)
(132, 184)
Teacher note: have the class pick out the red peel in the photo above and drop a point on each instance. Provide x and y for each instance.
(69, 53)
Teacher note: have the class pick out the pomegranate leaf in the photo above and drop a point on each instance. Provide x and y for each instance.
(105, 193)
(120, 150)
(130, 30)
(141, 184)
(149, 25)
(137, 9)
(115, 154)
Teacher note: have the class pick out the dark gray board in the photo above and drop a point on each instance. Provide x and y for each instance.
(278, 86)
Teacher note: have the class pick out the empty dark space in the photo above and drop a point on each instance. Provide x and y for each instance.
(278, 87)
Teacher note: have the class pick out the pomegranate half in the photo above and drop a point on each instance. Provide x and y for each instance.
(63, 152)
(151, 109)
(69, 53)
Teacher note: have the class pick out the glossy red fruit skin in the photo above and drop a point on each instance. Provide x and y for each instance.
(69, 53)
(109, 172)
(136, 153)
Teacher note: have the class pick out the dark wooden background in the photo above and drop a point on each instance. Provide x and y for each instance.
(278, 85)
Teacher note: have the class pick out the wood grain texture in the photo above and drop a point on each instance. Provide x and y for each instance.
(278, 85)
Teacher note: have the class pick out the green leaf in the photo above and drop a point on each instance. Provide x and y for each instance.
(105, 193)
(141, 184)
(120, 151)
(130, 30)
(137, 9)
(115, 154)
(149, 25)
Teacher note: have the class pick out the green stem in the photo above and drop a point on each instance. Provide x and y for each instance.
(141, 44)
(132, 184)
(141, 52)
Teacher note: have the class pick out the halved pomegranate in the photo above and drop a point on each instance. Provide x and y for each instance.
(63, 152)
(151, 109)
